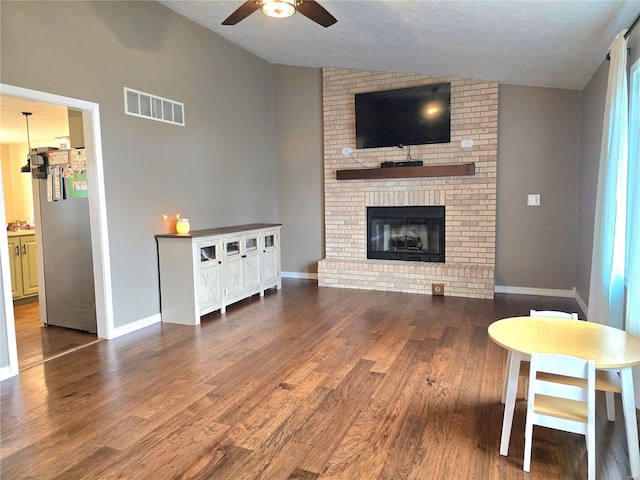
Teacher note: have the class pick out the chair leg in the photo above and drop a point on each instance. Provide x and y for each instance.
(528, 427)
(611, 406)
(528, 440)
(591, 453)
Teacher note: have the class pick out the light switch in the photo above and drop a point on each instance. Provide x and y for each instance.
(533, 200)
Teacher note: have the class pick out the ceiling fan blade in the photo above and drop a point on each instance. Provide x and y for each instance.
(314, 11)
(246, 9)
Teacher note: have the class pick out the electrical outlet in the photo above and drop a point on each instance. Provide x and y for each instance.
(346, 150)
(533, 200)
(466, 143)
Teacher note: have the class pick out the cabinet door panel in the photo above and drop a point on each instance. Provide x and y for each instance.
(209, 288)
(29, 267)
(232, 277)
(270, 261)
(251, 272)
(15, 263)
(270, 266)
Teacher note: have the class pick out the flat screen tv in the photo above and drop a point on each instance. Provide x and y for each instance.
(407, 116)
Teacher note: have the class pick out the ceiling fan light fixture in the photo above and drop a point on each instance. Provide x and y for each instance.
(278, 8)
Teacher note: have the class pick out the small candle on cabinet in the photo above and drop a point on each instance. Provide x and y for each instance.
(183, 226)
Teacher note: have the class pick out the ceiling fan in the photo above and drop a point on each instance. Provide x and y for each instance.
(281, 9)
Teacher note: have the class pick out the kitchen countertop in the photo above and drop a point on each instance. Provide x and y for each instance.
(17, 233)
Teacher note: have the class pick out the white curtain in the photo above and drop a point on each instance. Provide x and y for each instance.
(633, 219)
(606, 291)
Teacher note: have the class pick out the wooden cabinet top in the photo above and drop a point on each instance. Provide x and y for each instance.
(220, 231)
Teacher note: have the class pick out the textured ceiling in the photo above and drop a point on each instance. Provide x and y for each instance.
(544, 43)
(45, 123)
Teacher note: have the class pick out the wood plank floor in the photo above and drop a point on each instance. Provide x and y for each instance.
(306, 383)
(39, 343)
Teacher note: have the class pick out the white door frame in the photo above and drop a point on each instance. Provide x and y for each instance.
(97, 219)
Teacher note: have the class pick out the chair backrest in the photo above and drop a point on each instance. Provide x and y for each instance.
(553, 314)
(563, 403)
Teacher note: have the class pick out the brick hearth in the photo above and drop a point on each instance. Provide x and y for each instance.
(470, 201)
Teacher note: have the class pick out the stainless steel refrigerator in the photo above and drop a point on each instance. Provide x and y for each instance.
(68, 263)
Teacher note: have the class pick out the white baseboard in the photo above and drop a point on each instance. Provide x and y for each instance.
(5, 372)
(137, 325)
(582, 304)
(543, 292)
(308, 276)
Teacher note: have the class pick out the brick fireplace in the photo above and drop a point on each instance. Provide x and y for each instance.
(470, 200)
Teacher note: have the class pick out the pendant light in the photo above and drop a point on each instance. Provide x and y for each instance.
(26, 168)
(35, 163)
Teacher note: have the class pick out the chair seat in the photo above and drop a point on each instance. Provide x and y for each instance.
(606, 380)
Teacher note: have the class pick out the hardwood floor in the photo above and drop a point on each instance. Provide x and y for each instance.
(307, 383)
(38, 343)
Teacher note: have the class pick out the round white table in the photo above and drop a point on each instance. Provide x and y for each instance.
(610, 348)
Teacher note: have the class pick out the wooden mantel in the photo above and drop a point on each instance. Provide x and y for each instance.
(448, 170)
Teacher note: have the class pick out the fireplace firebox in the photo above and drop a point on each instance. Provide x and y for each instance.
(412, 234)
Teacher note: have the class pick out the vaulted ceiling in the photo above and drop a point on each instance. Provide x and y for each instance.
(545, 43)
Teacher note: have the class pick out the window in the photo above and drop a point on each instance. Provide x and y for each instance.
(632, 270)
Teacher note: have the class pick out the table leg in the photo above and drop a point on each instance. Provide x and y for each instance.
(513, 370)
(629, 408)
(506, 378)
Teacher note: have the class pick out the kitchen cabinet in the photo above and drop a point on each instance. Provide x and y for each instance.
(23, 263)
(206, 270)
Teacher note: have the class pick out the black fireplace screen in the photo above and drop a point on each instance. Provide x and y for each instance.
(406, 233)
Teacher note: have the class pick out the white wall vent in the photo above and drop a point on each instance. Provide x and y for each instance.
(140, 104)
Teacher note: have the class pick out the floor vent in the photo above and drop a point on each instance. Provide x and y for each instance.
(140, 104)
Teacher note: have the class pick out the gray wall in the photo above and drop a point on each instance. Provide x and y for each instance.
(538, 152)
(593, 99)
(218, 170)
(297, 106)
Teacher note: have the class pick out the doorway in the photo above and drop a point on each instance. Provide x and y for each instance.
(98, 226)
(64, 320)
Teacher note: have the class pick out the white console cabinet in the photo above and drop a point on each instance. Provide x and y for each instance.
(206, 270)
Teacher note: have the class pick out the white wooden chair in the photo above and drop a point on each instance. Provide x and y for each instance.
(524, 366)
(607, 381)
(555, 404)
(553, 314)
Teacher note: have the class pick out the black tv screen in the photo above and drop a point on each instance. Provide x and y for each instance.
(408, 116)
